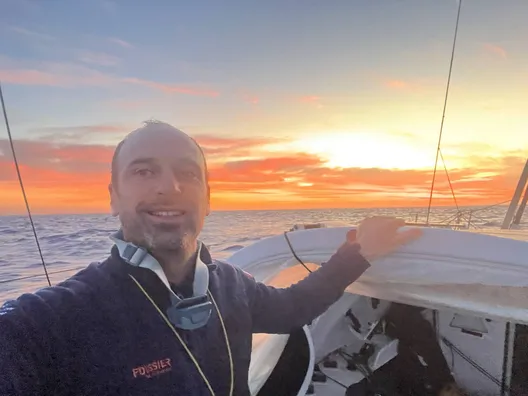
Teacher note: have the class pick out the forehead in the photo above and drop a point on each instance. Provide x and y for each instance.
(167, 146)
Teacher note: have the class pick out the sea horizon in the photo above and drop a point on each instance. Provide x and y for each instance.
(466, 206)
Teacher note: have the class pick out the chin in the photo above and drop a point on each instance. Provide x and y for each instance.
(170, 242)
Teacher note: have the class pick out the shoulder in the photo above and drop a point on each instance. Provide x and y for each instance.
(45, 304)
(227, 270)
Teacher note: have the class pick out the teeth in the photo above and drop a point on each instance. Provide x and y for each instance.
(177, 213)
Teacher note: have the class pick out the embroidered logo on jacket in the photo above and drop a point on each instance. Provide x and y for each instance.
(153, 369)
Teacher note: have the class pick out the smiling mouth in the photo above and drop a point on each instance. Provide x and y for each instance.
(167, 214)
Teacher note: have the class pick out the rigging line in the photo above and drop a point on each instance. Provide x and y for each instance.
(491, 206)
(39, 275)
(444, 111)
(448, 179)
(295, 254)
(22, 184)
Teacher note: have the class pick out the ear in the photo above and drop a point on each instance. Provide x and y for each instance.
(208, 210)
(113, 200)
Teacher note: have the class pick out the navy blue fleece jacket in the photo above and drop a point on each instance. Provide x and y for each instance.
(97, 334)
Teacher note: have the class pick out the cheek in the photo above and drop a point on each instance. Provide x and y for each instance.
(127, 200)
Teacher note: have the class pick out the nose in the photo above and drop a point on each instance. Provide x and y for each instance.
(169, 184)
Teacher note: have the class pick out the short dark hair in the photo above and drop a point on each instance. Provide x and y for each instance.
(114, 170)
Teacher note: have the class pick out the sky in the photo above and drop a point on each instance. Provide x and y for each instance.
(298, 104)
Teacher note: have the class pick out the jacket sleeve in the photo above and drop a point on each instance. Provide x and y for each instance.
(26, 354)
(282, 310)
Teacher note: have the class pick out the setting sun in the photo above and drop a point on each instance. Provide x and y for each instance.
(366, 150)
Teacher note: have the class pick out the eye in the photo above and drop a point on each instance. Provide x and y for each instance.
(143, 172)
(188, 174)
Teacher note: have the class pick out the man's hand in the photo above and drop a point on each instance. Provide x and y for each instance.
(379, 236)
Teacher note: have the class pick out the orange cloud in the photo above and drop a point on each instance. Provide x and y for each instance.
(415, 85)
(496, 50)
(396, 84)
(309, 99)
(249, 98)
(73, 178)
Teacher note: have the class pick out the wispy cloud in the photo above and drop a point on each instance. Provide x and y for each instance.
(250, 98)
(312, 100)
(76, 134)
(120, 42)
(396, 84)
(222, 147)
(98, 58)
(129, 104)
(69, 75)
(55, 74)
(414, 86)
(172, 88)
(31, 33)
(309, 99)
(495, 50)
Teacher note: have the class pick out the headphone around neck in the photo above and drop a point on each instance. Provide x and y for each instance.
(185, 313)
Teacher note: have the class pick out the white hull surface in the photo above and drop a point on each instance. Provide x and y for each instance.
(472, 285)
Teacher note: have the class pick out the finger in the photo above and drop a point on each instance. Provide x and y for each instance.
(395, 223)
(407, 236)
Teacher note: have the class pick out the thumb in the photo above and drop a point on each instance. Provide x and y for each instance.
(351, 236)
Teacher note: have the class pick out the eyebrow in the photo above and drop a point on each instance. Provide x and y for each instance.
(150, 160)
(139, 161)
(188, 161)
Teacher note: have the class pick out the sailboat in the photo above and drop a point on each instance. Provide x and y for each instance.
(459, 292)
(455, 302)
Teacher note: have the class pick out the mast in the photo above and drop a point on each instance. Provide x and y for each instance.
(522, 206)
(515, 200)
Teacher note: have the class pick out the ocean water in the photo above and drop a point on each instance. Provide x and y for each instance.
(70, 242)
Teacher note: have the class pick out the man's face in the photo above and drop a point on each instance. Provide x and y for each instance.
(161, 195)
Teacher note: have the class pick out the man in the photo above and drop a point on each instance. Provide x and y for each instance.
(118, 328)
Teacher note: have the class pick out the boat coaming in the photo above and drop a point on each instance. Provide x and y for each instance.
(445, 269)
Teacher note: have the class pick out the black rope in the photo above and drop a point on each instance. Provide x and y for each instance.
(471, 362)
(293, 252)
(22, 184)
(336, 381)
(444, 111)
